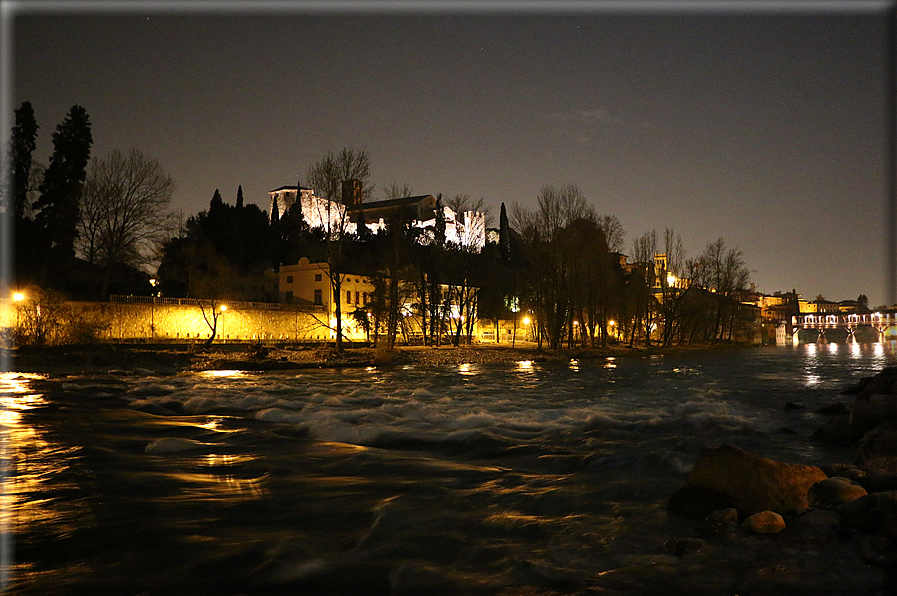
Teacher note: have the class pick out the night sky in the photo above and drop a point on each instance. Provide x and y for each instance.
(763, 123)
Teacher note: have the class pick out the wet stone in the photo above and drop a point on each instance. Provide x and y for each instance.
(832, 492)
(764, 522)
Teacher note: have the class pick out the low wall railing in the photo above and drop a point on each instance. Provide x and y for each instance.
(231, 304)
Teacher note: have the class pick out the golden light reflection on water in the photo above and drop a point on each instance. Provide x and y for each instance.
(214, 374)
(201, 486)
(524, 365)
(32, 464)
(214, 460)
(216, 424)
(609, 362)
(467, 370)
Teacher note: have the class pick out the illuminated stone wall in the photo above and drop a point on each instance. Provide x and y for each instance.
(148, 322)
(175, 322)
(155, 322)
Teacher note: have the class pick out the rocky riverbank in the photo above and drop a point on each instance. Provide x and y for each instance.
(733, 494)
(169, 358)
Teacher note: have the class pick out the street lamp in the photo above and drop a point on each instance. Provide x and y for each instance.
(17, 298)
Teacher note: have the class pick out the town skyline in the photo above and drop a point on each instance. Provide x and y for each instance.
(763, 126)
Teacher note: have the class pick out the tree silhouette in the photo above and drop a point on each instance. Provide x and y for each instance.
(60, 191)
(124, 211)
(27, 249)
(24, 141)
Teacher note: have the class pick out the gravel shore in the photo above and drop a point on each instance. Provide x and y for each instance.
(170, 359)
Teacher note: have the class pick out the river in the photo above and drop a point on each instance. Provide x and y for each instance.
(523, 478)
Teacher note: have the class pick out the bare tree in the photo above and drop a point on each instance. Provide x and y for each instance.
(644, 249)
(553, 257)
(327, 177)
(614, 233)
(462, 202)
(396, 191)
(124, 212)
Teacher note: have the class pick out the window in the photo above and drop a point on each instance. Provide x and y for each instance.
(365, 297)
(289, 279)
(317, 277)
(348, 296)
(356, 297)
(318, 297)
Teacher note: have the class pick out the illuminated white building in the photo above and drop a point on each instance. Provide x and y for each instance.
(467, 229)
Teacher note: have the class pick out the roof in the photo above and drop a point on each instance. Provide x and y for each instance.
(391, 202)
(288, 188)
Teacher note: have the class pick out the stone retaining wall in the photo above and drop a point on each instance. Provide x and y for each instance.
(187, 322)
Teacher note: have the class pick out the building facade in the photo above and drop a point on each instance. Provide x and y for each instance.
(307, 283)
(467, 229)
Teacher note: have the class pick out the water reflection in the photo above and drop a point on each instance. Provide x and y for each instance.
(215, 423)
(34, 468)
(466, 370)
(222, 373)
(206, 487)
(609, 363)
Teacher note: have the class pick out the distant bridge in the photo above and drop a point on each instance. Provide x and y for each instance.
(851, 322)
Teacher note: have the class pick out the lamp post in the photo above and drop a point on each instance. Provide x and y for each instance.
(17, 298)
(221, 309)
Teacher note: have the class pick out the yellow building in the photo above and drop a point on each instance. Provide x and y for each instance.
(309, 283)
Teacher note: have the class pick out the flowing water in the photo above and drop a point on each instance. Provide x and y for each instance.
(525, 478)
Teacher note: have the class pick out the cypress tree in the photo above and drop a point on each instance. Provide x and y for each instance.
(240, 197)
(60, 191)
(24, 141)
(504, 234)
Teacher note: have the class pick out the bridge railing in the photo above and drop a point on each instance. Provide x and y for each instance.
(823, 320)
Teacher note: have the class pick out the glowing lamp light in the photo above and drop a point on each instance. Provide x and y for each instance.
(671, 280)
(526, 320)
(223, 307)
(18, 296)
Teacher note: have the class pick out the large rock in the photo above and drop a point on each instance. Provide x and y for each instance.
(869, 513)
(877, 451)
(875, 410)
(765, 522)
(881, 384)
(727, 476)
(832, 492)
